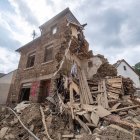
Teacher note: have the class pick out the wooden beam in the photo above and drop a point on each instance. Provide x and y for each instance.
(44, 123)
(86, 128)
(94, 118)
(124, 108)
(116, 119)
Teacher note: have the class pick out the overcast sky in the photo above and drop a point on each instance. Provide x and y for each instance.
(113, 28)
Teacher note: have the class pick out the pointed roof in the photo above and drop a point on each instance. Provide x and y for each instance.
(122, 60)
(66, 12)
(69, 16)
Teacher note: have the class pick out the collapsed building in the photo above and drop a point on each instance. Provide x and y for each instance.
(62, 44)
(80, 93)
(41, 57)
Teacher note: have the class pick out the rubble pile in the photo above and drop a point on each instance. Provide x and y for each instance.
(11, 129)
(128, 86)
(106, 69)
(102, 108)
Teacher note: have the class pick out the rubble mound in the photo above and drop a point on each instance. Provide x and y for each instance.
(128, 86)
(106, 69)
(30, 117)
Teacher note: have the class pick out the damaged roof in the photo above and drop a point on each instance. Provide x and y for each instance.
(66, 12)
(69, 16)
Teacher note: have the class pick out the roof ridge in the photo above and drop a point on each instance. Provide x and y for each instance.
(64, 11)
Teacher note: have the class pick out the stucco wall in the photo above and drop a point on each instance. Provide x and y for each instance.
(5, 83)
(128, 73)
(90, 71)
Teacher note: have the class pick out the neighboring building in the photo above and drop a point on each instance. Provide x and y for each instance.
(40, 58)
(2, 74)
(124, 69)
(5, 83)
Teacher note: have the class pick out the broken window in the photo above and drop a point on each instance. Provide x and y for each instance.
(30, 61)
(90, 64)
(54, 29)
(124, 67)
(48, 53)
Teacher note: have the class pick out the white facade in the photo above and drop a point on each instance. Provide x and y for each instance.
(126, 71)
(5, 83)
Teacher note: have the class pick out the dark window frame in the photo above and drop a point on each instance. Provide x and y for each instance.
(30, 60)
(124, 67)
(90, 64)
(48, 55)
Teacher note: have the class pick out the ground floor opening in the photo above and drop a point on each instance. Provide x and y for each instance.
(44, 90)
(36, 91)
(25, 94)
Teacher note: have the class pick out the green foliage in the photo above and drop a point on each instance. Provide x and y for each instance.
(137, 67)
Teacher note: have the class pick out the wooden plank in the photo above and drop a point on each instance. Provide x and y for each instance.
(99, 99)
(87, 117)
(89, 108)
(113, 95)
(44, 123)
(102, 98)
(105, 95)
(78, 137)
(81, 112)
(114, 80)
(102, 112)
(124, 108)
(82, 99)
(71, 95)
(114, 91)
(87, 87)
(91, 125)
(85, 127)
(94, 118)
(116, 119)
(94, 88)
(122, 86)
(72, 112)
(82, 89)
(75, 87)
(116, 106)
(68, 136)
(119, 85)
(96, 92)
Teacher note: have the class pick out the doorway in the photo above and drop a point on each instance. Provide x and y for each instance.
(25, 94)
(44, 90)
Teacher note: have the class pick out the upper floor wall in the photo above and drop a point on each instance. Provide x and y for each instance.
(38, 57)
(55, 23)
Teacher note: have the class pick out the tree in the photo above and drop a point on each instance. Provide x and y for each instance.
(137, 67)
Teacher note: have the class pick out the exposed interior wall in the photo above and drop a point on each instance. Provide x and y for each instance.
(128, 73)
(74, 30)
(5, 83)
(91, 70)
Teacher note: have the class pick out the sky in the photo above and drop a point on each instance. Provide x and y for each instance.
(113, 28)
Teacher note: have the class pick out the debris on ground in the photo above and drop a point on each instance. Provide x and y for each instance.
(100, 109)
(103, 107)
